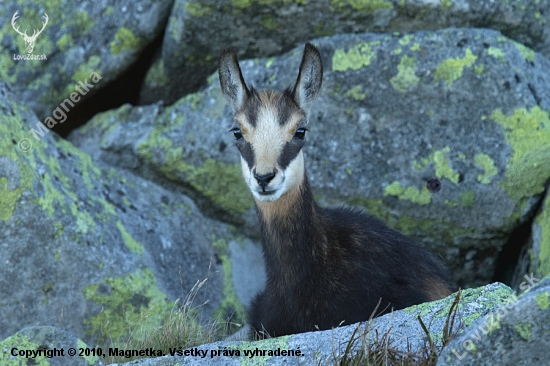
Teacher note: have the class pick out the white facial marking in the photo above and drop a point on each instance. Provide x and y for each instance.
(268, 138)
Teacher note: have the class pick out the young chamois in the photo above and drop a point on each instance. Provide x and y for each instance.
(325, 267)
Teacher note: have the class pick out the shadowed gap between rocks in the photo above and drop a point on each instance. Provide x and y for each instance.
(124, 89)
(508, 262)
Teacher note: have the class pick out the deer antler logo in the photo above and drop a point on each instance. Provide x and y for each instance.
(29, 40)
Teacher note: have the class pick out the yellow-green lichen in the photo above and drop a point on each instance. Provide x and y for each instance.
(439, 309)
(526, 52)
(128, 301)
(406, 76)
(412, 194)
(446, 4)
(528, 134)
(131, 244)
(442, 166)
(442, 227)
(478, 69)
(84, 70)
(219, 182)
(543, 222)
(197, 9)
(355, 93)
(488, 165)
(524, 330)
(269, 22)
(124, 40)
(420, 165)
(90, 359)
(241, 4)
(406, 39)
(355, 58)
(269, 62)
(64, 42)
(267, 345)
(451, 70)
(468, 198)
(543, 300)
(364, 6)
(451, 203)
(230, 305)
(21, 342)
(496, 53)
(156, 76)
(8, 198)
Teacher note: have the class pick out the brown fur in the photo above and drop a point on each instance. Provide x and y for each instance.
(325, 267)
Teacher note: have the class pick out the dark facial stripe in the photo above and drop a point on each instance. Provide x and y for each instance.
(289, 153)
(247, 153)
(284, 108)
(251, 108)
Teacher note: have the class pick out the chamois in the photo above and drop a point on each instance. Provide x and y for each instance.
(325, 266)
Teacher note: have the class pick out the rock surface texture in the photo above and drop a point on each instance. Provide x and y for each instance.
(79, 37)
(101, 245)
(198, 31)
(401, 329)
(515, 334)
(465, 106)
(111, 228)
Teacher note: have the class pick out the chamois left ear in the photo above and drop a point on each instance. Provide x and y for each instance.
(310, 78)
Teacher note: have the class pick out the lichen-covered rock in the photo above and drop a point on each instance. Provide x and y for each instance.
(55, 342)
(95, 247)
(198, 31)
(402, 327)
(466, 106)
(79, 37)
(514, 334)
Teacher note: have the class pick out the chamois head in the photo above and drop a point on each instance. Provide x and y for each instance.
(270, 127)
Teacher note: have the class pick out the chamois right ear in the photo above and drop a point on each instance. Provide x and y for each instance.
(231, 79)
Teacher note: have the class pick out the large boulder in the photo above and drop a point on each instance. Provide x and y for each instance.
(400, 331)
(198, 31)
(515, 334)
(79, 37)
(466, 106)
(98, 249)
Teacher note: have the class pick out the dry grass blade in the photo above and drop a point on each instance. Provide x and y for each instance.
(180, 329)
(379, 351)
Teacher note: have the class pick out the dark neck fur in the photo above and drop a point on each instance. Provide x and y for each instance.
(293, 236)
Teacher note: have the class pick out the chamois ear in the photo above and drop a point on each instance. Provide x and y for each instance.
(231, 79)
(310, 78)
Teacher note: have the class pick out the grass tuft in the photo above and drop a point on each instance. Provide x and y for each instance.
(180, 329)
(360, 351)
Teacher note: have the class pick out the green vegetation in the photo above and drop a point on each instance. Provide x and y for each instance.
(179, 329)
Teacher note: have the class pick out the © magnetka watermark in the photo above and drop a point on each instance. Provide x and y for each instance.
(59, 114)
(29, 40)
(492, 320)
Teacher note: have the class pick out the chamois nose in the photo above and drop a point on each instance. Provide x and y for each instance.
(264, 179)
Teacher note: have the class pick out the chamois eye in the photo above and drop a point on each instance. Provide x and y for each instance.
(300, 133)
(237, 133)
